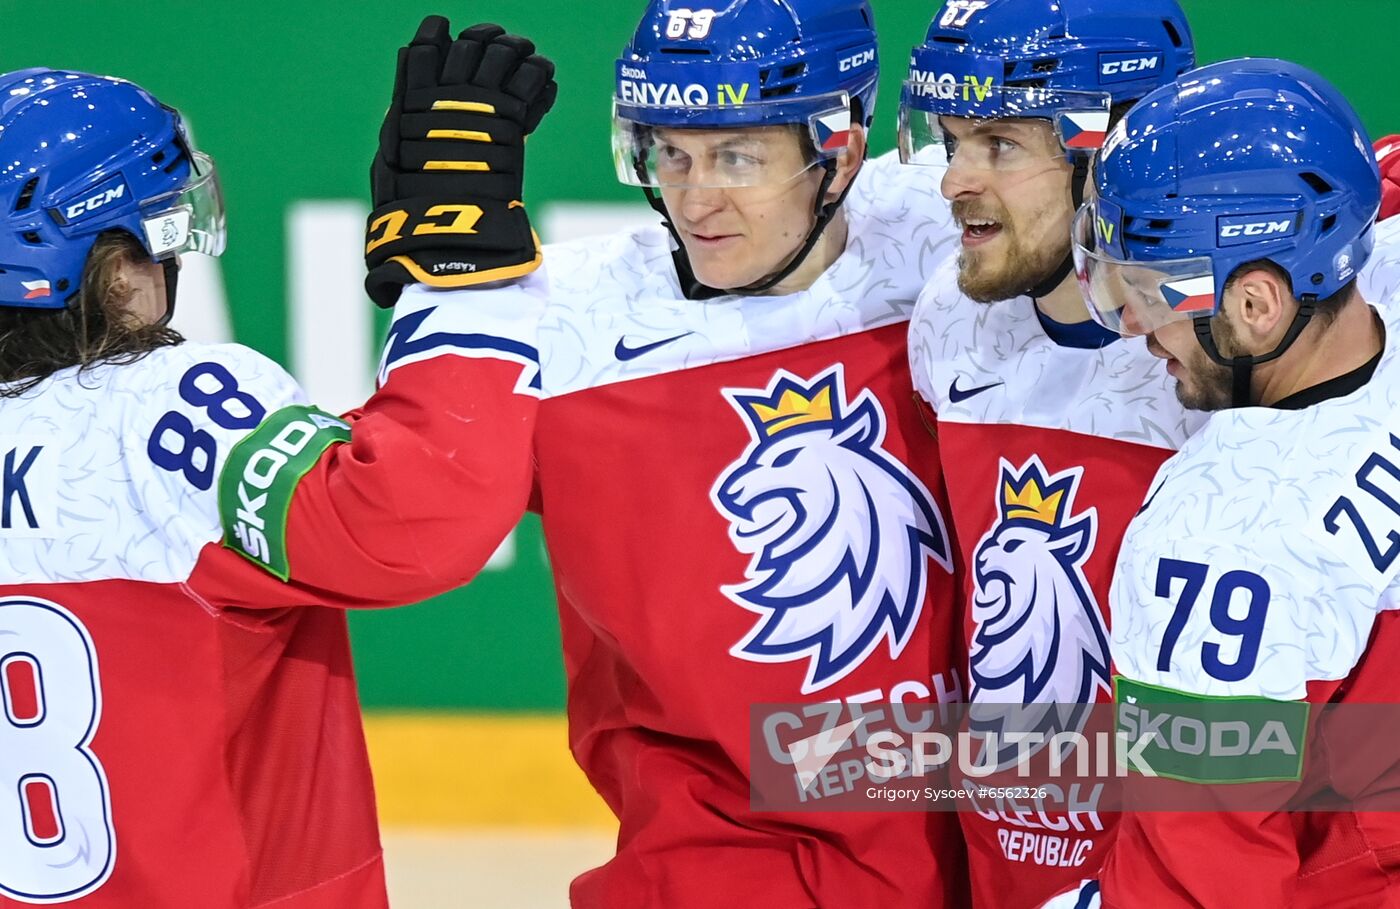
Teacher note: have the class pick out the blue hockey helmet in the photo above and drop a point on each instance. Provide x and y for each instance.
(748, 63)
(1067, 61)
(81, 155)
(1236, 162)
(809, 64)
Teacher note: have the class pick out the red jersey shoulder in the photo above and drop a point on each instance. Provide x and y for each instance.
(807, 483)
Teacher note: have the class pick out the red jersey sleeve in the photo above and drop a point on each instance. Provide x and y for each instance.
(400, 500)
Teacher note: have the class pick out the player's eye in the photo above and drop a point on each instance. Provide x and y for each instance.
(1145, 297)
(730, 159)
(1002, 146)
(672, 157)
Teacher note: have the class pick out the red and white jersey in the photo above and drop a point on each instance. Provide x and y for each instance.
(742, 507)
(1047, 453)
(1263, 569)
(173, 733)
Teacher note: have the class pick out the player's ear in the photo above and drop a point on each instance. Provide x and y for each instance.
(1265, 306)
(848, 164)
(137, 290)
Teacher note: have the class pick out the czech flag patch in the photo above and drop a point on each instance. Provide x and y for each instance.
(833, 130)
(35, 290)
(1191, 295)
(1083, 128)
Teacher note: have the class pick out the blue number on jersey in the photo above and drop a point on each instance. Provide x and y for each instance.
(1365, 481)
(198, 451)
(1249, 629)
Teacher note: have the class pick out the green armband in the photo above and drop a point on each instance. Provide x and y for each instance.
(1197, 738)
(262, 472)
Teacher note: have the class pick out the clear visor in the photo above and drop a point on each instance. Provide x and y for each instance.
(1136, 298)
(189, 219)
(670, 148)
(997, 131)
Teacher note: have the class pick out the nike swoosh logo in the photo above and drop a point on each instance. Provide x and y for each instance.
(625, 353)
(957, 395)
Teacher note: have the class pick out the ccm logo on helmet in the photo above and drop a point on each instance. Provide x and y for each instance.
(1260, 229)
(1130, 66)
(1122, 67)
(857, 61)
(1250, 228)
(92, 203)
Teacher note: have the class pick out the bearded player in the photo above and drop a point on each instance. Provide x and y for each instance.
(1050, 426)
(1258, 580)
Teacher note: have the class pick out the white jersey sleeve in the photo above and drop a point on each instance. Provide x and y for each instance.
(1252, 593)
(1267, 547)
(140, 498)
(1379, 280)
(1223, 615)
(206, 398)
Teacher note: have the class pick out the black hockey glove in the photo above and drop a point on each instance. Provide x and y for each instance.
(446, 181)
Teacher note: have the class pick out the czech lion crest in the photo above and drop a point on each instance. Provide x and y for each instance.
(1039, 655)
(840, 533)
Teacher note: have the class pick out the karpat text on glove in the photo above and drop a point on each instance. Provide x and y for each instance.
(447, 179)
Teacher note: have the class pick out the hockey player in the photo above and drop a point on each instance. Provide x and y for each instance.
(1048, 430)
(740, 501)
(1259, 577)
(180, 725)
(1050, 427)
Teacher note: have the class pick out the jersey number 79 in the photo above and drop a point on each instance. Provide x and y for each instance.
(1249, 628)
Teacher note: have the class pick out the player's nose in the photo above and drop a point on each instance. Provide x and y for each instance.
(1133, 322)
(961, 181)
(701, 201)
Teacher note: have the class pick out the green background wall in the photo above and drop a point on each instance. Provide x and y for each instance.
(288, 96)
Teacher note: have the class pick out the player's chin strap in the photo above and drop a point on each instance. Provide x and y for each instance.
(172, 280)
(1078, 181)
(1242, 368)
(691, 286)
